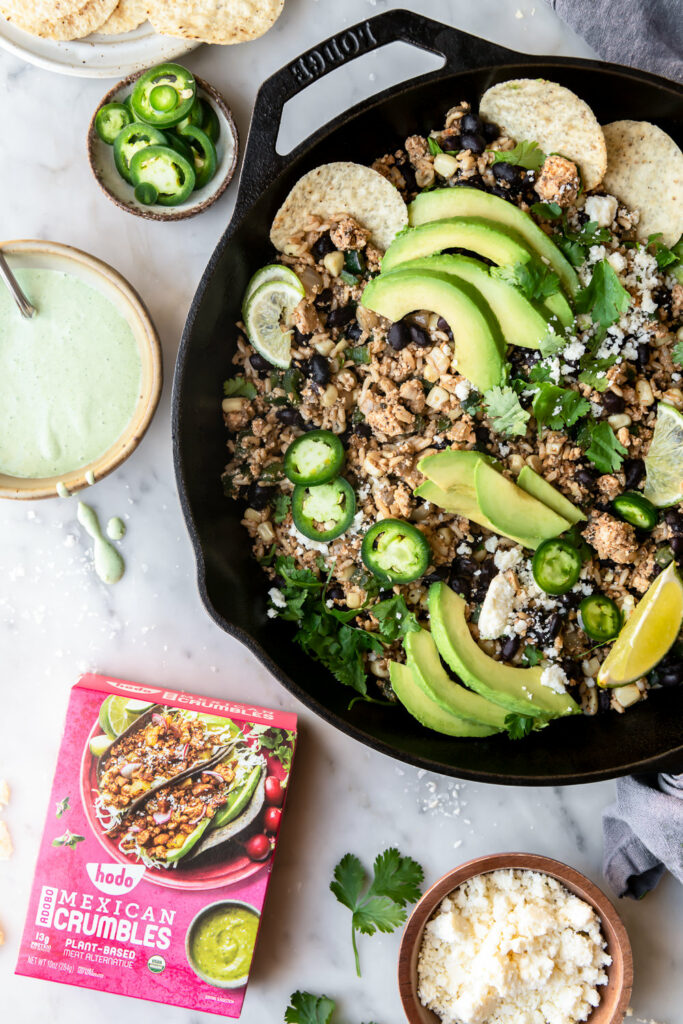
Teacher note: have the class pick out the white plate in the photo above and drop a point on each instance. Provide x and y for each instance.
(96, 56)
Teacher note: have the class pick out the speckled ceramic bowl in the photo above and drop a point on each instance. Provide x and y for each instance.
(101, 157)
(54, 256)
(614, 996)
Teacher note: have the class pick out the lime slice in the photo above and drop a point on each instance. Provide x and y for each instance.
(103, 718)
(137, 707)
(269, 305)
(273, 272)
(100, 745)
(119, 717)
(649, 632)
(664, 460)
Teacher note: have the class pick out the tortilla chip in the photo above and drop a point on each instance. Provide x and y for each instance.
(57, 19)
(6, 848)
(126, 16)
(645, 171)
(342, 188)
(4, 793)
(534, 110)
(214, 21)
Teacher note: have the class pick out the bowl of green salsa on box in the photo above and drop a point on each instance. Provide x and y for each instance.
(220, 943)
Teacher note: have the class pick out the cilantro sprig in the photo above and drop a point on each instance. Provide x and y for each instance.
(533, 279)
(518, 726)
(62, 807)
(575, 244)
(239, 387)
(532, 656)
(381, 906)
(558, 407)
(505, 411)
(605, 450)
(604, 297)
(69, 839)
(525, 154)
(663, 255)
(306, 1008)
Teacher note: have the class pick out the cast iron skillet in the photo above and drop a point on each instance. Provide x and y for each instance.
(232, 587)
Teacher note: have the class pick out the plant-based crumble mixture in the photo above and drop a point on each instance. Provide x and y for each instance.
(580, 411)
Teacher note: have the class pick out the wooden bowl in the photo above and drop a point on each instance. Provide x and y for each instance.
(121, 192)
(614, 996)
(55, 256)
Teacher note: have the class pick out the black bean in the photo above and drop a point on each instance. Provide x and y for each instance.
(634, 471)
(672, 676)
(461, 586)
(510, 647)
(450, 143)
(363, 430)
(603, 700)
(323, 246)
(482, 435)
(490, 131)
(470, 123)
(500, 191)
(442, 325)
(323, 299)
(419, 336)
(259, 363)
(259, 496)
(290, 417)
(439, 575)
(676, 544)
(674, 519)
(585, 476)
(643, 356)
(340, 317)
(463, 566)
(553, 626)
(439, 444)
(318, 369)
(613, 403)
(354, 331)
(335, 593)
(507, 172)
(475, 143)
(408, 172)
(399, 335)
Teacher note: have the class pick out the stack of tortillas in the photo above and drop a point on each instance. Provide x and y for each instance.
(209, 21)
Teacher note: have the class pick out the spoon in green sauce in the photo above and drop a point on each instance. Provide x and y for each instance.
(25, 307)
(109, 565)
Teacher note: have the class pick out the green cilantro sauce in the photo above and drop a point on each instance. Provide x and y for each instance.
(69, 378)
(222, 943)
(109, 565)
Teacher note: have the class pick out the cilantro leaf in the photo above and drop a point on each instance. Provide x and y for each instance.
(518, 726)
(524, 154)
(539, 373)
(434, 147)
(594, 372)
(394, 617)
(239, 387)
(677, 353)
(663, 255)
(531, 655)
(604, 297)
(305, 1008)
(472, 402)
(505, 411)
(575, 244)
(547, 211)
(69, 839)
(62, 807)
(396, 883)
(281, 507)
(558, 407)
(533, 279)
(359, 354)
(551, 344)
(606, 452)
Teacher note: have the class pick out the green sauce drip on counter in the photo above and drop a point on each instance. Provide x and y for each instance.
(109, 565)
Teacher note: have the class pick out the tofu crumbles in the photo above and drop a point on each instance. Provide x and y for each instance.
(512, 947)
(579, 410)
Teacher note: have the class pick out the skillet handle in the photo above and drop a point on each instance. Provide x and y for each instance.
(461, 52)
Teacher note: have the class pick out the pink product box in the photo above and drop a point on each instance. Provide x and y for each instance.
(158, 845)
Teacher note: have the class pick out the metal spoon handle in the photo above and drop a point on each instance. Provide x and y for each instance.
(25, 307)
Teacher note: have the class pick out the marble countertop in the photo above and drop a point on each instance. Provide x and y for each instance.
(57, 620)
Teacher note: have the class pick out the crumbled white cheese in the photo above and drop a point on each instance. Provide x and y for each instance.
(602, 209)
(463, 548)
(505, 558)
(491, 543)
(574, 350)
(271, 613)
(462, 389)
(306, 542)
(554, 677)
(617, 262)
(496, 609)
(277, 597)
(514, 947)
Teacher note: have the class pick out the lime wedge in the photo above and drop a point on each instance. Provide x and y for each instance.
(268, 306)
(119, 717)
(649, 632)
(103, 718)
(664, 460)
(137, 707)
(100, 745)
(273, 272)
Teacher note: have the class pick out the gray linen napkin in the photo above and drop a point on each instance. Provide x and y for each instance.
(643, 833)
(644, 34)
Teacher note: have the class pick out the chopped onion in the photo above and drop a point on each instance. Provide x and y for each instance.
(196, 820)
(134, 829)
(310, 279)
(127, 770)
(214, 775)
(159, 720)
(162, 818)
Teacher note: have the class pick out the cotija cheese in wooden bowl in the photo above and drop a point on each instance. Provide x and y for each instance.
(515, 939)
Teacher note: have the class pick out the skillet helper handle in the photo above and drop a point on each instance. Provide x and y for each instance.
(460, 50)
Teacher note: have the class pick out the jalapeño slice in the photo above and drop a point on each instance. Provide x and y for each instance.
(203, 153)
(210, 123)
(314, 458)
(599, 617)
(323, 511)
(111, 119)
(635, 509)
(395, 551)
(556, 566)
(133, 137)
(164, 95)
(169, 172)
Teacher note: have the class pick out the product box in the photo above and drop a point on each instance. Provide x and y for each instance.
(158, 845)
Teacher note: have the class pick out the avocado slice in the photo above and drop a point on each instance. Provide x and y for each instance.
(472, 202)
(520, 322)
(458, 503)
(432, 678)
(513, 512)
(477, 234)
(479, 352)
(518, 690)
(539, 488)
(453, 468)
(429, 714)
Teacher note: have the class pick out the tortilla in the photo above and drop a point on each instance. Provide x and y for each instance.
(126, 16)
(534, 110)
(342, 188)
(214, 21)
(645, 171)
(58, 19)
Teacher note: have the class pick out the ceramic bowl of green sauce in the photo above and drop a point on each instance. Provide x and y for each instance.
(220, 942)
(80, 381)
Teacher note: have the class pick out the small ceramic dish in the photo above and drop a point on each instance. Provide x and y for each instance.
(224, 904)
(614, 996)
(101, 157)
(42, 255)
